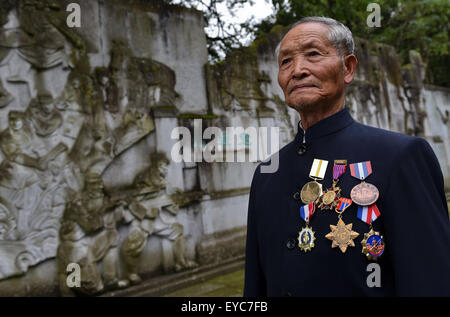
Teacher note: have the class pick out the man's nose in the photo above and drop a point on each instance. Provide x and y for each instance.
(300, 68)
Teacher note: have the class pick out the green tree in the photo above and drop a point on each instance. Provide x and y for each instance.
(421, 25)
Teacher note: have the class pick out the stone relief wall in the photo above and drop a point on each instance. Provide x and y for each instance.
(69, 111)
(85, 121)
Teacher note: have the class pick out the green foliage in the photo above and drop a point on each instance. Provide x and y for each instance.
(420, 25)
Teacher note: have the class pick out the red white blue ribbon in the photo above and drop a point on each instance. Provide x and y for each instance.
(361, 170)
(368, 214)
(307, 211)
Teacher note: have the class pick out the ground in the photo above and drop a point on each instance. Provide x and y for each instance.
(228, 285)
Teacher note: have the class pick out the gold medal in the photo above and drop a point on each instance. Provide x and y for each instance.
(372, 244)
(311, 191)
(330, 197)
(306, 235)
(306, 239)
(342, 235)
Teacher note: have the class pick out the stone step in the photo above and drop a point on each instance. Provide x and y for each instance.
(162, 285)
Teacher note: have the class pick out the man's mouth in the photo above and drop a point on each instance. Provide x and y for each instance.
(302, 86)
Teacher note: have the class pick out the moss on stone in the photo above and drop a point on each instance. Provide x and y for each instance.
(229, 193)
(238, 79)
(197, 116)
(185, 199)
(265, 44)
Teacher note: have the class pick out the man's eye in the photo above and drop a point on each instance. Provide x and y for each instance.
(313, 53)
(285, 61)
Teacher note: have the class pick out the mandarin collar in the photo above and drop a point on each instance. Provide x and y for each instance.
(324, 127)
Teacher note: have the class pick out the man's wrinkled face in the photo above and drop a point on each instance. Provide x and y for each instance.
(310, 68)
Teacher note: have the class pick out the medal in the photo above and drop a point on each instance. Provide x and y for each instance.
(342, 235)
(373, 243)
(330, 197)
(363, 194)
(313, 190)
(306, 235)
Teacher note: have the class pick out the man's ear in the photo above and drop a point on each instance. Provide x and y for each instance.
(350, 63)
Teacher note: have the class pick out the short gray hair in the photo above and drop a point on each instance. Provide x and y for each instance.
(339, 36)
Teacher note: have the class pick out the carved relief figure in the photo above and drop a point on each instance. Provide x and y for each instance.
(43, 115)
(152, 212)
(88, 236)
(16, 142)
(108, 90)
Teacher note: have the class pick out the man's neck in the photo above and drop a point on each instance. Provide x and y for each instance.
(308, 118)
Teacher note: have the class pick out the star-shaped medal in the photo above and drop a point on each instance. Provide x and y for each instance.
(342, 235)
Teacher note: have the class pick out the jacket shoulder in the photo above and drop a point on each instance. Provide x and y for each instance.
(385, 139)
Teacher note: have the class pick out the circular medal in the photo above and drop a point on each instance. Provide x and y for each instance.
(329, 197)
(310, 192)
(364, 194)
(373, 245)
(306, 239)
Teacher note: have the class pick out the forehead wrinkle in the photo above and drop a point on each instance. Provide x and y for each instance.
(300, 47)
(298, 42)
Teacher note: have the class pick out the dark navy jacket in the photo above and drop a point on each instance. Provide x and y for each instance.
(414, 218)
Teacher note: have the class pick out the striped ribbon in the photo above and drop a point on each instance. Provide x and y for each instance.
(368, 214)
(361, 170)
(338, 170)
(318, 169)
(343, 203)
(307, 211)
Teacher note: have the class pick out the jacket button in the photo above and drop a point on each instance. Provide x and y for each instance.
(290, 244)
(302, 149)
(287, 294)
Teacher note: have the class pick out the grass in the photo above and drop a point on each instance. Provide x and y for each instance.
(228, 285)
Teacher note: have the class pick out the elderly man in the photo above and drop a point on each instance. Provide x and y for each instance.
(352, 210)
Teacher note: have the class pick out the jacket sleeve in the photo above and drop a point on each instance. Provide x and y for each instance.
(417, 224)
(254, 284)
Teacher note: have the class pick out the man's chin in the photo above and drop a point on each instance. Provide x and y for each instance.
(304, 105)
